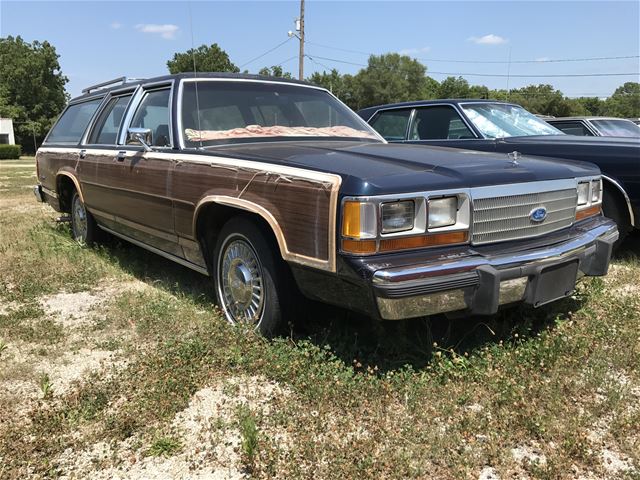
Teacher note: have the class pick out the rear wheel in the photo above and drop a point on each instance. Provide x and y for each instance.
(615, 208)
(83, 225)
(250, 279)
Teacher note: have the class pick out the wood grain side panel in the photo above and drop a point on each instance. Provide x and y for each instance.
(137, 189)
(300, 207)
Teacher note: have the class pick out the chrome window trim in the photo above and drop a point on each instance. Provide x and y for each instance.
(103, 105)
(180, 93)
(406, 129)
(591, 127)
(134, 103)
(476, 133)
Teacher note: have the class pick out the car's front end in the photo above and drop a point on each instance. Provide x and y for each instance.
(472, 249)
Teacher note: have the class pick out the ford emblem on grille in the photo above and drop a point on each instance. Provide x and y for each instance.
(538, 214)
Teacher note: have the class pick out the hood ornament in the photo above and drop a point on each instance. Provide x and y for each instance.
(514, 156)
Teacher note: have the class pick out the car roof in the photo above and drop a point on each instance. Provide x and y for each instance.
(124, 83)
(588, 118)
(420, 103)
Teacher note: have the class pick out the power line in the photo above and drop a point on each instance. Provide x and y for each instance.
(318, 63)
(265, 53)
(285, 61)
(499, 75)
(542, 60)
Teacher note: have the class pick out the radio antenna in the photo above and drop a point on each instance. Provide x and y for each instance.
(195, 74)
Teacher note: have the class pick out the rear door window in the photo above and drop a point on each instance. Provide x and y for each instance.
(392, 124)
(107, 125)
(573, 128)
(73, 122)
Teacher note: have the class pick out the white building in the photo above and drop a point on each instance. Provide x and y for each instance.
(6, 131)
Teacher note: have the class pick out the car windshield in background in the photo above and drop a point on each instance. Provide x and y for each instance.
(498, 120)
(617, 128)
(233, 112)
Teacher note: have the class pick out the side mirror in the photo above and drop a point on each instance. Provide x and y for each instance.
(140, 136)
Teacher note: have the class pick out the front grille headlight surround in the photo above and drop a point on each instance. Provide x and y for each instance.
(589, 201)
(401, 222)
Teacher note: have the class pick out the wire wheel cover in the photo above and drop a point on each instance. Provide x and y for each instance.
(240, 282)
(79, 219)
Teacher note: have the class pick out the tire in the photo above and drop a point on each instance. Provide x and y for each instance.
(250, 281)
(615, 208)
(83, 226)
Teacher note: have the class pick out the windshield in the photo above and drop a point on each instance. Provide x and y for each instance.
(617, 128)
(247, 111)
(498, 120)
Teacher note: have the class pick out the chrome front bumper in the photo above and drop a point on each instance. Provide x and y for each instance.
(479, 284)
(37, 191)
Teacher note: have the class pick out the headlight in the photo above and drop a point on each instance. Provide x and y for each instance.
(596, 191)
(397, 216)
(443, 211)
(583, 193)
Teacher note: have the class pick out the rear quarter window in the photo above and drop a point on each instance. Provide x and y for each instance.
(73, 122)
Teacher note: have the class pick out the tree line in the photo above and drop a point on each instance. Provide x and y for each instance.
(32, 86)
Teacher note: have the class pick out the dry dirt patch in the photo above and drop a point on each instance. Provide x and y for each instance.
(206, 430)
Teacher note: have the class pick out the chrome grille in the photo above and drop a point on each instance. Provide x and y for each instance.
(500, 218)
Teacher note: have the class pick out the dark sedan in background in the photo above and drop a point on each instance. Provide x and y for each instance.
(595, 126)
(493, 126)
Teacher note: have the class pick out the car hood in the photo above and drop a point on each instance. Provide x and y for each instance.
(379, 168)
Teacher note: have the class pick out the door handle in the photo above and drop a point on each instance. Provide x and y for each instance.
(82, 154)
(121, 156)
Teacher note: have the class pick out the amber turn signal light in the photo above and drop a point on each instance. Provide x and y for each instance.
(588, 212)
(359, 246)
(405, 243)
(433, 240)
(351, 219)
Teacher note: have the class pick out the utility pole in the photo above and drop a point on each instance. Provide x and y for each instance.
(301, 38)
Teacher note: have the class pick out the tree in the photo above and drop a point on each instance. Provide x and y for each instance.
(625, 101)
(207, 59)
(390, 78)
(587, 106)
(541, 99)
(342, 86)
(452, 87)
(275, 71)
(31, 88)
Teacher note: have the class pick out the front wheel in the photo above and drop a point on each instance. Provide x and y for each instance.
(83, 225)
(250, 280)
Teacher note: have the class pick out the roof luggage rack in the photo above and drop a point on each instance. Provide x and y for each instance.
(121, 80)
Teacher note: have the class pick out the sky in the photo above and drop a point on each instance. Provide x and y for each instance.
(99, 40)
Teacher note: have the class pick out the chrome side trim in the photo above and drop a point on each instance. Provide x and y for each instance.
(330, 181)
(51, 193)
(166, 255)
(626, 198)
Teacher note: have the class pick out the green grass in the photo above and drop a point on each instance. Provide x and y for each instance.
(415, 399)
